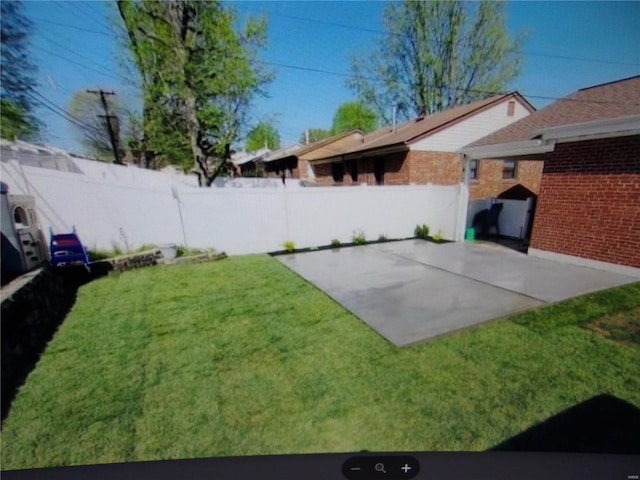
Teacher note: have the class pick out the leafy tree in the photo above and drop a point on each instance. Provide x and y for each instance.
(198, 78)
(434, 55)
(16, 74)
(94, 133)
(354, 116)
(264, 134)
(314, 134)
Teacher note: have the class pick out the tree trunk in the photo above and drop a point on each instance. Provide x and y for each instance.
(199, 156)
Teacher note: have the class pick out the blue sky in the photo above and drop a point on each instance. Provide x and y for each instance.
(570, 45)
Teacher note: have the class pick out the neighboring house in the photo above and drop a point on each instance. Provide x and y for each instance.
(589, 200)
(295, 162)
(280, 161)
(425, 150)
(250, 163)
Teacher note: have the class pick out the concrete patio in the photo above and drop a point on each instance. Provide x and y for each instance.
(414, 290)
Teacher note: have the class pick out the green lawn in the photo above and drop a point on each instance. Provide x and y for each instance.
(243, 357)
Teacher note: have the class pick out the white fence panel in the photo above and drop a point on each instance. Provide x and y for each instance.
(236, 221)
(111, 206)
(318, 215)
(106, 214)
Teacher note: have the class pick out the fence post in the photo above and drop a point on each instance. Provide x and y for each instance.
(286, 215)
(461, 212)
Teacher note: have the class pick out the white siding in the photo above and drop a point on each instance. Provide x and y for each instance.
(471, 129)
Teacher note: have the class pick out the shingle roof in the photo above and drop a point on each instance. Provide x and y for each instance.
(240, 158)
(610, 100)
(321, 147)
(413, 130)
(282, 152)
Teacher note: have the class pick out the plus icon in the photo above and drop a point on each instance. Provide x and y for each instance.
(406, 468)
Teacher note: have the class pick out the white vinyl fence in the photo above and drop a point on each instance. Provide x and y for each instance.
(122, 206)
(513, 219)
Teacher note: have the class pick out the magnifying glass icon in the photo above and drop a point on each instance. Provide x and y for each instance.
(380, 467)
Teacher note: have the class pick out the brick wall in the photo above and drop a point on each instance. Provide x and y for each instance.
(589, 203)
(440, 168)
(304, 170)
(397, 169)
(490, 182)
(323, 174)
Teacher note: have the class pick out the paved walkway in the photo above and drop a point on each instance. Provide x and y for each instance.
(414, 290)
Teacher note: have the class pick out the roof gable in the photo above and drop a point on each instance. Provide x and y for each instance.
(419, 128)
(600, 102)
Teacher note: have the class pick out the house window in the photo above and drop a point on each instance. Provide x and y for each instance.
(473, 169)
(509, 168)
(511, 107)
(337, 172)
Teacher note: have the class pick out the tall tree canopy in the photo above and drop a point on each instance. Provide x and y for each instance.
(264, 134)
(434, 55)
(94, 131)
(354, 116)
(198, 76)
(16, 74)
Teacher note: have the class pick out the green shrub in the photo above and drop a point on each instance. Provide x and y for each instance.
(359, 238)
(439, 236)
(421, 231)
(96, 254)
(335, 243)
(182, 251)
(289, 246)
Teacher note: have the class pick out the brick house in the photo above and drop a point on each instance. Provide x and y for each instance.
(588, 208)
(425, 150)
(294, 161)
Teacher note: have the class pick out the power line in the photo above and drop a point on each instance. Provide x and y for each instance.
(106, 74)
(382, 32)
(67, 49)
(484, 92)
(65, 113)
(55, 109)
(363, 29)
(97, 32)
(581, 59)
(306, 69)
(92, 15)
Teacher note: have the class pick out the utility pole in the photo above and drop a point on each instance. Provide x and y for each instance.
(108, 118)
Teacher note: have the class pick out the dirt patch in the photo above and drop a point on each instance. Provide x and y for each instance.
(623, 327)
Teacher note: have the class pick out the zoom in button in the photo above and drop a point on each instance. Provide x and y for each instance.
(386, 467)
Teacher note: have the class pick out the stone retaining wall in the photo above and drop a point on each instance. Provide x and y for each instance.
(33, 306)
